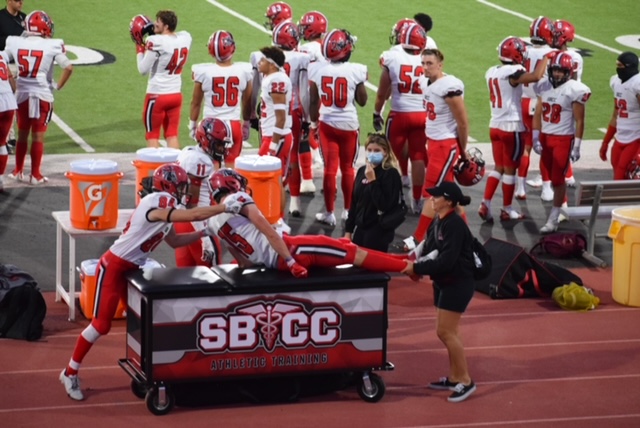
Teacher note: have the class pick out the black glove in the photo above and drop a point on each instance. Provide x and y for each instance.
(255, 123)
(305, 131)
(378, 122)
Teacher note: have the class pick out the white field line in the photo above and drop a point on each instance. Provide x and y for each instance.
(530, 19)
(72, 134)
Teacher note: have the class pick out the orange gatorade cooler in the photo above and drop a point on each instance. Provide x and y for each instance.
(89, 282)
(93, 194)
(264, 174)
(150, 158)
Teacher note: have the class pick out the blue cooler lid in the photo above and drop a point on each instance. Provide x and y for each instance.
(94, 167)
(88, 267)
(157, 155)
(257, 163)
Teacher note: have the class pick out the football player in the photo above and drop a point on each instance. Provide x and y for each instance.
(335, 87)
(8, 106)
(625, 120)
(558, 125)
(540, 32)
(253, 242)
(401, 71)
(162, 57)
(505, 84)
(36, 53)
(313, 27)
(225, 87)
(286, 36)
(149, 225)
(447, 129)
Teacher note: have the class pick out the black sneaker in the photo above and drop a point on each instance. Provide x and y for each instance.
(443, 384)
(461, 392)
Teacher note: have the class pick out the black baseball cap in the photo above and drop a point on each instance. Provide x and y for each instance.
(449, 190)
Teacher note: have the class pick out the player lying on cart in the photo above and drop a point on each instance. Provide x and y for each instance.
(254, 242)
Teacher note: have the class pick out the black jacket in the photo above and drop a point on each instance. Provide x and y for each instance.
(382, 194)
(10, 26)
(452, 238)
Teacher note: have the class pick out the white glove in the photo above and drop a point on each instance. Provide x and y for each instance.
(193, 125)
(232, 204)
(537, 147)
(246, 130)
(431, 256)
(53, 85)
(575, 152)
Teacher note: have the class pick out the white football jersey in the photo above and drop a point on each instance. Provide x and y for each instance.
(35, 56)
(577, 63)
(557, 106)
(197, 163)
(223, 88)
(238, 232)
(164, 59)
(141, 236)
(295, 64)
(505, 100)
(441, 125)
(535, 53)
(314, 50)
(274, 83)
(404, 71)
(336, 83)
(7, 99)
(628, 119)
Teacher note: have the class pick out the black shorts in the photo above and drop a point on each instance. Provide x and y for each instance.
(453, 297)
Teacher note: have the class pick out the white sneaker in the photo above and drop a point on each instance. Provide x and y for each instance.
(406, 181)
(536, 182)
(345, 215)
(416, 205)
(282, 227)
(571, 181)
(546, 194)
(294, 206)
(18, 176)
(549, 227)
(36, 181)
(307, 186)
(326, 218)
(72, 386)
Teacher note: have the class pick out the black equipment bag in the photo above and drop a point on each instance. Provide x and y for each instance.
(22, 307)
(516, 273)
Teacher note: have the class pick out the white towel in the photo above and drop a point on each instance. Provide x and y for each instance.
(34, 107)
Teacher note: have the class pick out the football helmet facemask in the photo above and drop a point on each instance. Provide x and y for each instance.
(214, 137)
(139, 27)
(276, 13)
(221, 45)
(512, 50)
(337, 45)
(313, 25)
(560, 61)
(173, 179)
(470, 171)
(286, 36)
(633, 169)
(39, 22)
(225, 181)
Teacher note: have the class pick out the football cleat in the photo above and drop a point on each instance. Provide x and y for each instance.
(326, 218)
(484, 213)
(506, 215)
(307, 186)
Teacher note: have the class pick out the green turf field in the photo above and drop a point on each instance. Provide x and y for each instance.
(102, 104)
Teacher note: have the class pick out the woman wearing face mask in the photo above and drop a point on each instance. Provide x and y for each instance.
(377, 188)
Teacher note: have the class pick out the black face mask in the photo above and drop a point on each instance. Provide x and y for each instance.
(630, 69)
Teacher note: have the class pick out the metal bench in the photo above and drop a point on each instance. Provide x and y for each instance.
(596, 199)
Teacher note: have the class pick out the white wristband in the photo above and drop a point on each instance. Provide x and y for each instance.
(313, 125)
(280, 107)
(193, 124)
(280, 131)
(577, 142)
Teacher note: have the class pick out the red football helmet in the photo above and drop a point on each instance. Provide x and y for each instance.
(276, 13)
(225, 181)
(541, 31)
(221, 45)
(560, 61)
(286, 36)
(214, 137)
(563, 33)
(139, 27)
(413, 37)
(470, 171)
(394, 38)
(337, 45)
(633, 169)
(171, 178)
(313, 25)
(512, 50)
(39, 22)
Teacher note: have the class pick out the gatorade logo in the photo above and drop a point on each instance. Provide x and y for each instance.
(94, 197)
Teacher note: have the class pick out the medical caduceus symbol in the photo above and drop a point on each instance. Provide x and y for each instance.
(269, 317)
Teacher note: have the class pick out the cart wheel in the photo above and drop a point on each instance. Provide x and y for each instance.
(138, 389)
(371, 387)
(159, 400)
